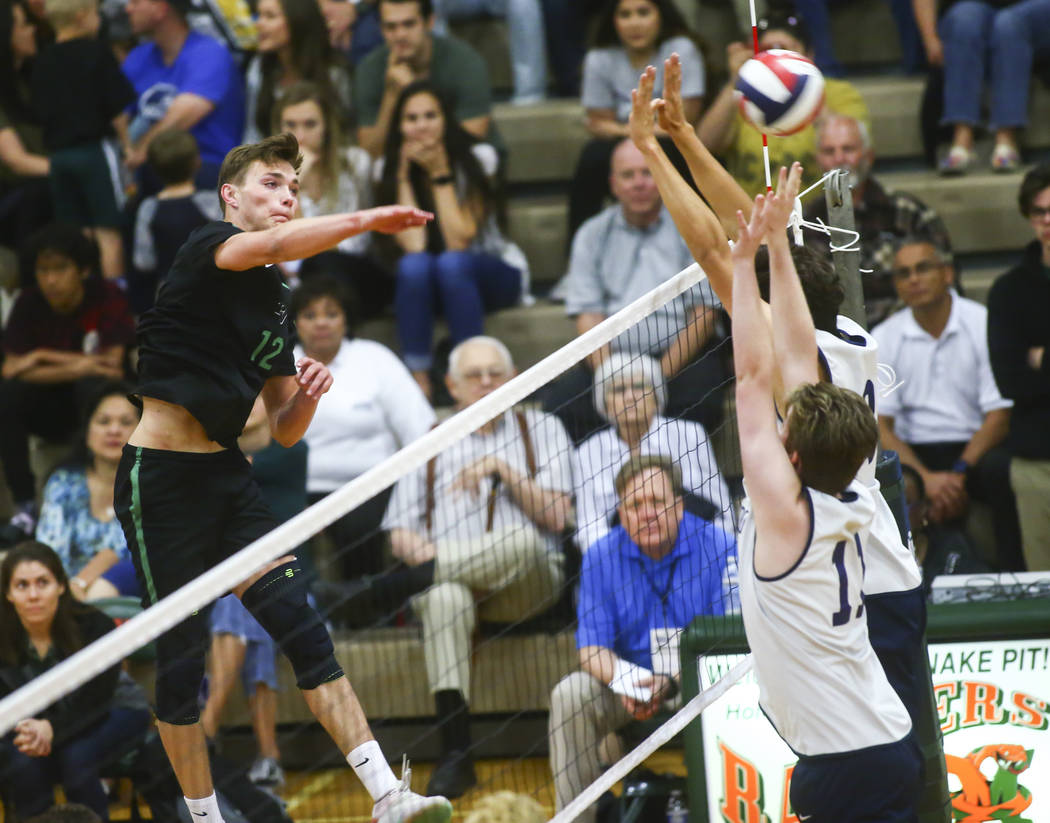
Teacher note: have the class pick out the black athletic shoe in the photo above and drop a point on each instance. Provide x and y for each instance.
(454, 775)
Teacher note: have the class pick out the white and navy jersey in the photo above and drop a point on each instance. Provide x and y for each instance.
(852, 360)
(820, 683)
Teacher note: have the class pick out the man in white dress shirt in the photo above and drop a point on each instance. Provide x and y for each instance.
(944, 415)
(481, 526)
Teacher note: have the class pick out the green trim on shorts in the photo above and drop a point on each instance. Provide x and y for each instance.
(136, 516)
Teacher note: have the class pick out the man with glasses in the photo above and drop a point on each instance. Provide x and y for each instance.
(1018, 336)
(944, 415)
(479, 528)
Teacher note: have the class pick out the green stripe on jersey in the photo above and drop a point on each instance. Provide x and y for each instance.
(136, 517)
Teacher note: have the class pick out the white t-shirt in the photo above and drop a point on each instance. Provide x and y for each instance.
(945, 385)
(353, 192)
(819, 680)
(373, 408)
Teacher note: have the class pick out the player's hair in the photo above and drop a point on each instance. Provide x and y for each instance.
(638, 463)
(174, 156)
(318, 287)
(66, 240)
(426, 7)
(506, 807)
(833, 431)
(672, 24)
(66, 813)
(456, 354)
(279, 148)
(63, 13)
(820, 283)
(792, 23)
(1034, 182)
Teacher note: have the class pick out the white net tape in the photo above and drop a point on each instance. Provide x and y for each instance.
(147, 626)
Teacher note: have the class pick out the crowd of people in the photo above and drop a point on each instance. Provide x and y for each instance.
(115, 123)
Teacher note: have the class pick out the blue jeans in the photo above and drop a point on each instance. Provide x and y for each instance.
(528, 51)
(464, 284)
(998, 45)
(77, 764)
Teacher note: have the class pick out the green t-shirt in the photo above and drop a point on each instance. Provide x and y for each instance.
(456, 70)
(743, 158)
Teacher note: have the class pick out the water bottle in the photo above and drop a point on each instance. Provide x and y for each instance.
(676, 810)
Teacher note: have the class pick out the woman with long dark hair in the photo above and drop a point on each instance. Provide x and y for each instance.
(459, 263)
(293, 47)
(25, 202)
(630, 35)
(76, 517)
(71, 741)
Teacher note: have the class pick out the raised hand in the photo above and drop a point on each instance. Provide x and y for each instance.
(641, 121)
(669, 110)
(392, 219)
(314, 377)
(779, 206)
(750, 232)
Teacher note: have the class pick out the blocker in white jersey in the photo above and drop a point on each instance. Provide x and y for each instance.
(820, 683)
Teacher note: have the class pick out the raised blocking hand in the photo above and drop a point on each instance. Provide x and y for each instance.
(641, 124)
(669, 110)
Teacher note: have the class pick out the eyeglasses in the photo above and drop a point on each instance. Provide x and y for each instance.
(477, 375)
(922, 268)
(637, 387)
(1038, 213)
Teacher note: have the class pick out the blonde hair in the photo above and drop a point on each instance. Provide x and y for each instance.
(63, 13)
(507, 807)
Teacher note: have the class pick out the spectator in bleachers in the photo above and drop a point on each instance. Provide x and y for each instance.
(479, 529)
(460, 263)
(617, 256)
(528, 51)
(943, 414)
(25, 201)
(335, 177)
(163, 221)
(293, 47)
(646, 579)
(412, 52)
(353, 28)
(978, 42)
(65, 333)
(566, 23)
(374, 408)
(184, 80)
(1018, 337)
(76, 517)
(630, 34)
(630, 393)
(883, 218)
(728, 136)
(79, 94)
(70, 742)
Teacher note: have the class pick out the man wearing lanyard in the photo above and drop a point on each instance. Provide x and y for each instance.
(641, 583)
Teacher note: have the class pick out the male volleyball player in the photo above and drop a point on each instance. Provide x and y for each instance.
(846, 355)
(802, 550)
(217, 337)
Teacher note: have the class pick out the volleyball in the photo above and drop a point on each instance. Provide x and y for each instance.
(780, 91)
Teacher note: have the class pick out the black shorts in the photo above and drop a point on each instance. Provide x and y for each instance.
(879, 784)
(184, 513)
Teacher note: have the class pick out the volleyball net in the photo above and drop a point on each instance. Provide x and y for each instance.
(578, 516)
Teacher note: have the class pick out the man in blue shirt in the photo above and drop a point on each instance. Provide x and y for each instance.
(184, 80)
(648, 577)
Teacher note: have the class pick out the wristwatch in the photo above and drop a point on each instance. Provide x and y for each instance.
(960, 466)
(79, 582)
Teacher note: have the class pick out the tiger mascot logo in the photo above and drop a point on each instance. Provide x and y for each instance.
(1002, 797)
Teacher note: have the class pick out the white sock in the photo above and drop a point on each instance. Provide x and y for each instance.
(371, 768)
(205, 809)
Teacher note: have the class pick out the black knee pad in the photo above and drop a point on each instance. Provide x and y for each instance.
(278, 601)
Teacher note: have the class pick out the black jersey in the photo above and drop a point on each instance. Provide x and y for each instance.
(214, 336)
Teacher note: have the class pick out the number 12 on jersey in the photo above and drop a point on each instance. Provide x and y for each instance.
(838, 557)
(276, 347)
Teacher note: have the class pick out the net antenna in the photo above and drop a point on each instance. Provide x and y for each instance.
(116, 645)
(765, 139)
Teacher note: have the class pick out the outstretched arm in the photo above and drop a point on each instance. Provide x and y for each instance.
(305, 237)
(794, 337)
(695, 221)
(781, 517)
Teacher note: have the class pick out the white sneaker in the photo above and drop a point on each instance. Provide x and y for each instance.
(402, 805)
(266, 771)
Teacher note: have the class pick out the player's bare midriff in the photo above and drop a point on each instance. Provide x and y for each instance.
(170, 427)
